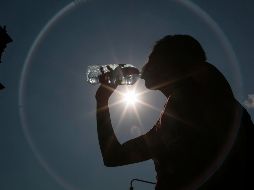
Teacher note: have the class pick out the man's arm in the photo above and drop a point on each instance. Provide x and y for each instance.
(113, 153)
(109, 144)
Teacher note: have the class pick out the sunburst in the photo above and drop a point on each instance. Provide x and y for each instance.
(131, 99)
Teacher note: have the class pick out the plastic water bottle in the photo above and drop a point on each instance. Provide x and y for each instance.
(121, 74)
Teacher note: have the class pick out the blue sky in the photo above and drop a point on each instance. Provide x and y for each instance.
(48, 140)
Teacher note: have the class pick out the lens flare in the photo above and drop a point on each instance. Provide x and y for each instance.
(130, 97)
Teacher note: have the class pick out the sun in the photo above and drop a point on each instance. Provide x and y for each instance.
(130, 97)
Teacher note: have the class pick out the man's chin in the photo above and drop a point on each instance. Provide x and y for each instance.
(151, 86)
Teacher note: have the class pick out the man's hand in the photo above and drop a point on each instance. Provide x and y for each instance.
(104, 92)
(106, 89)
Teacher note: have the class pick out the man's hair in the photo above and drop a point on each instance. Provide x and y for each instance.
(179, 51)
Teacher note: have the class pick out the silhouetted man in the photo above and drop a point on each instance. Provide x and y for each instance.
(4, 40)
(201, 140)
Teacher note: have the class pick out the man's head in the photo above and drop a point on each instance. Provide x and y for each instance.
(4, 40)
(172, 57)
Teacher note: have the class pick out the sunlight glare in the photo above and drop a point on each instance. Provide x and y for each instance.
(130, 97)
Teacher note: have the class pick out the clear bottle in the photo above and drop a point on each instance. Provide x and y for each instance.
(121, 74)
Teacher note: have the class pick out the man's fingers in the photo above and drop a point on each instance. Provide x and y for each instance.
(111, 87)
(101, 69)
(109, 68)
